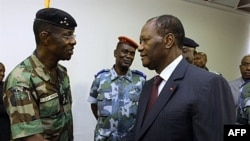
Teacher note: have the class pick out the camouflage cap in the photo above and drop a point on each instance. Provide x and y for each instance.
(56, 17)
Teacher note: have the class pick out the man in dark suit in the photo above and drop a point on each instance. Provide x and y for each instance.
(192, 104)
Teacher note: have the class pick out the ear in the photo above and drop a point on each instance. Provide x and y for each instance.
(115, 53)
(44, 36)
(169, 40)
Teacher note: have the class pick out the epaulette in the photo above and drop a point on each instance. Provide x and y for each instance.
(139, 73)
(102, 71)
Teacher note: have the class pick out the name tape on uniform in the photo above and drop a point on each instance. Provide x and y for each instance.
(45, 99)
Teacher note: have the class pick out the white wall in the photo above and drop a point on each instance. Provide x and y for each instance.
(224, 36)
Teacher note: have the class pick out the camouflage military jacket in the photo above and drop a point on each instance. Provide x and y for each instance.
(117, 100)
(36, 105)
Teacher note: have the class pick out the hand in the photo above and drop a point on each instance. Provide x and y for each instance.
(36, 137)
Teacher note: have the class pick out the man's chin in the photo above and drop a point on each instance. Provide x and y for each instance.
(146, 65)
(67, 58)
(126, 66)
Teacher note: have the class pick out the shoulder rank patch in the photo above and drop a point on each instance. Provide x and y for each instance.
(139, 73)
(102, 71)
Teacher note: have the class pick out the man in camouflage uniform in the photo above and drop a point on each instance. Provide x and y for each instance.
(243, 108)
(115, 93)
(37, 92)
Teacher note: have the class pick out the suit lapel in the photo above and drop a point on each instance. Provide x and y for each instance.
(143, 102)
(161, 101)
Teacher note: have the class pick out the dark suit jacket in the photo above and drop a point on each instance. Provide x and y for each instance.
(193, 106)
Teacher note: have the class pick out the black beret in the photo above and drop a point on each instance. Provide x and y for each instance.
(128, 41)
(190, 43)
(56, 17)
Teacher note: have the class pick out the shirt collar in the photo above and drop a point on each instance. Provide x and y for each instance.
(168, 70)
(127, 76)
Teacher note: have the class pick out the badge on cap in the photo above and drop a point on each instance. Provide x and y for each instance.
(56, 17)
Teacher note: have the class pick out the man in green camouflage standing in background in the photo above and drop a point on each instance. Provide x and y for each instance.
(37, 93)
(115, 92)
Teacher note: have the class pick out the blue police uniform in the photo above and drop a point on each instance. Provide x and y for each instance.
(117, 100)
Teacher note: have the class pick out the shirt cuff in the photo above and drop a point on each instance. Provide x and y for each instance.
(25, 129)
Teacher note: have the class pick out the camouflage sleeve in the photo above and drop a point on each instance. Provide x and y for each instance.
(22, 108)
(247, 105)
(246, 97)
(93, 92)
(95, 85)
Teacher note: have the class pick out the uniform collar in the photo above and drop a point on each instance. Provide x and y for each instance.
(41, 70)
(127, 76)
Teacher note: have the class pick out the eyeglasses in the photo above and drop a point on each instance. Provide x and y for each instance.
(69, 37)
(244, 64)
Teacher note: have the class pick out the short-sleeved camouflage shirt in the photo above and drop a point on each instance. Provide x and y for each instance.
(37, 105)
(117, 100)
